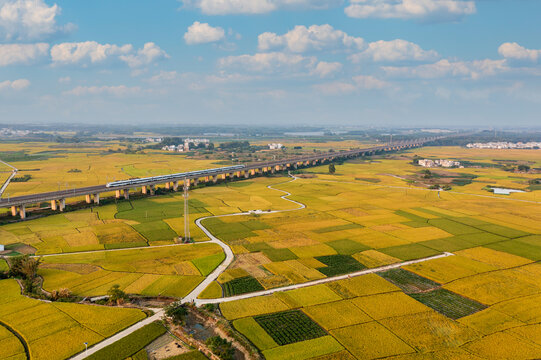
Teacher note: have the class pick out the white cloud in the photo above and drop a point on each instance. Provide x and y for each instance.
(202, 33)
(224, 7)
(445, 68)
(268, 62)
(336, 87)
(443, 10)
(516, 52)
(315, 37)
(145, 56)
(164, 76)
(64, 80)
(22, 53)
(119, 91)
(18, 84)
(395, 50)
(29, 20)
(369, 82)
(86, 52)
(360, 82)
(91, 52)
(324, 69)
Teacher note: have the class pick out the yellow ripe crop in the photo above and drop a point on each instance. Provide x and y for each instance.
(252, 306)
(337, 314)
(493, 257)
(386, 305)
(504, 345)
(429, 331)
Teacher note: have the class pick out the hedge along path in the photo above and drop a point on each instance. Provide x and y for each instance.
(18, 336)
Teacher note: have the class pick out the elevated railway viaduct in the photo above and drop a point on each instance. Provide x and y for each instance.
(121, 189)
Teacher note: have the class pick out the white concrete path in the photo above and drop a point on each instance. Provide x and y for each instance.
(6, 183)
(321, 281)
(192, 296)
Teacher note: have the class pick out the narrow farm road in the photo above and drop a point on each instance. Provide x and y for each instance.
(229, 256)
(192, 296)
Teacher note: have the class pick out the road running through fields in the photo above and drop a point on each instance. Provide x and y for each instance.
(193, 295)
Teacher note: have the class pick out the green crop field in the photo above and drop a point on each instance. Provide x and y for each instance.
(289, 327)
(241, 285)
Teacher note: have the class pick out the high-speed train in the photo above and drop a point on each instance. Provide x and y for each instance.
(177, 176)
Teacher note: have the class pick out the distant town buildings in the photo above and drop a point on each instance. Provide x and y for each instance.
(188, 144)
(275, 146)
(152, 140)
(439, 163)
(7, 132)
(505, 145)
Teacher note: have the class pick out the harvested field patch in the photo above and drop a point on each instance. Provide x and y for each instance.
(448, 303)
(289, 327)
(338, 265)
(408, 281)
(242, 285)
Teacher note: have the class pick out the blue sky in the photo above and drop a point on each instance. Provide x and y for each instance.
(264, 62)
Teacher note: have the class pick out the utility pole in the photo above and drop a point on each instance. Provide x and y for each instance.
(186, 212)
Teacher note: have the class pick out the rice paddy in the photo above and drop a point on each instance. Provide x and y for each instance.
(483, 302)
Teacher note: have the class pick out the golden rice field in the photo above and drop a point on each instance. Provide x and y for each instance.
(55, 330)
(481, 303)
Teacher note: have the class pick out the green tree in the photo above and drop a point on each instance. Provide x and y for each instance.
(177, 313)
(116, 295)
(332, 169)
(221, 348)
(523, 168)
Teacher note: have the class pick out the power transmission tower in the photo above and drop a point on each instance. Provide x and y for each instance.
(186, 211)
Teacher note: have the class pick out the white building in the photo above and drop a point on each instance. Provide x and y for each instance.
(275, 146)
(439, 163)
(427, 163)
(2, 248)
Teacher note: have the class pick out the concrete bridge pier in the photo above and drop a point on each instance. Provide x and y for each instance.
(195, 181)
(117, 194)
(168, 186)
(126, 193)
(246, 174)
(22, 211)
(87, 199)
(144, 189)
(61, 204)
(14, 211)
(53, 205)
(175, 186)
(152, 189)
(97, 199)
(273, 170)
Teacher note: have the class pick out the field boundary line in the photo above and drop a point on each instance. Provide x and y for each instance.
(121, 249)
(320, 281)
(18, 336)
